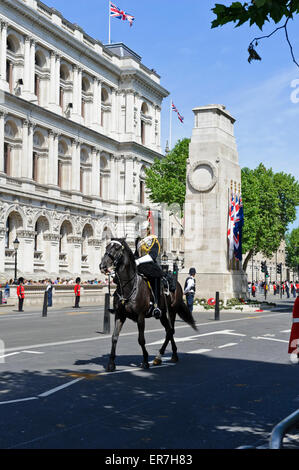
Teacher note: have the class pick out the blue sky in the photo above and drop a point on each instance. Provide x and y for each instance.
(199, 65)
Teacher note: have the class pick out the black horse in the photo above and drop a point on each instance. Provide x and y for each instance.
(133, 297)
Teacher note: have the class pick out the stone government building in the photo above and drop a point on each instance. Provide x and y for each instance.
(79, 123)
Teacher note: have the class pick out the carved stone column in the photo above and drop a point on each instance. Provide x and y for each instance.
(52, 253)
(3, 56)
(2, 117)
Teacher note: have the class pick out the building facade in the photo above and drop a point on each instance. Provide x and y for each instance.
(254, 272)
(79, 124)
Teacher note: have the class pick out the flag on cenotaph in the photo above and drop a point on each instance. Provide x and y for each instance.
(238, 226)
(231, 224)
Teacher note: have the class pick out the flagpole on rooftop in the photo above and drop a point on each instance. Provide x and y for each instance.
(109, 40)
(170, 125)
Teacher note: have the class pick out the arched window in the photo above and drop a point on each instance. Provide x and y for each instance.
(105, 102)
(103, 169)
(9, 74)
(85, 91)
(12, 46)
(6, 159)
(144, 112)
(64, 76)
(14, 222)
(41, 227)
(62, 153)
(65, 231)
(142, 186)
(83, 161)
(86, 235)
(40, 63)
(38, 142)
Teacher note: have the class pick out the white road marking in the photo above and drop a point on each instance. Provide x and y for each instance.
(7, 355)
(270, 339)
(32, 352)
(157, 330)
(69, 384)
(17, 401)
(286, 331)
(227, 345)
(194, 337)
(61, 387)
(199, 351)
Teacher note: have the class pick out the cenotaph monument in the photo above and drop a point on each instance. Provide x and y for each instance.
(213, 173)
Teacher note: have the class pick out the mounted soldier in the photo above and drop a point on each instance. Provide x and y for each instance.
(146, 254)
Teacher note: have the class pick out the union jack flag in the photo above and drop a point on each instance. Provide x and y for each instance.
(176, 110)
(115, 12)
(231, 225)
(238, 226)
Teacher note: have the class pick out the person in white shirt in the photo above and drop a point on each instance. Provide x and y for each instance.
(189, 289)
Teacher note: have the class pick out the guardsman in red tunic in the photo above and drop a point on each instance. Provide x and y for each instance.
(21, 294)
(77, 291)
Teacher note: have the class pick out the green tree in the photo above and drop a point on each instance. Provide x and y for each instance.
(166, 178)
(292, 249)
(270, 201)
(258, 12)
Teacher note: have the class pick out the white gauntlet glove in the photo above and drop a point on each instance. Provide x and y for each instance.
(143, 259)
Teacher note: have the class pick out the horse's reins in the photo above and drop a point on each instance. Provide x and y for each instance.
(116, 261)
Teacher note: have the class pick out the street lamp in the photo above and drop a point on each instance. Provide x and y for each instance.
(176, 266)
(16, 245)
(164, 259)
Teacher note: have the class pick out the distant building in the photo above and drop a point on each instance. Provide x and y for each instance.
(79, 124)
(254, 266)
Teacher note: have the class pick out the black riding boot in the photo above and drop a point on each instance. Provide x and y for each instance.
(157, 292)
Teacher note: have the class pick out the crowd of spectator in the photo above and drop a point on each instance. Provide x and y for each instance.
(57, 281)
(288, 288)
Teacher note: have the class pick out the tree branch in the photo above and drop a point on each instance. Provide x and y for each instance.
(254, 55)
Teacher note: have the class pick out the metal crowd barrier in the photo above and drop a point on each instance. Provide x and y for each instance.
(279, 431)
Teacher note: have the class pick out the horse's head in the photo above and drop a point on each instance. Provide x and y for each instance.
(113, 256)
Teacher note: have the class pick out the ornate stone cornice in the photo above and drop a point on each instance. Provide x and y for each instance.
(26, 233)
(94, 242)
(73, 239)
(52, 237)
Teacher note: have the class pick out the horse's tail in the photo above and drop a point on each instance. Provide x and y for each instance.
(185, 315)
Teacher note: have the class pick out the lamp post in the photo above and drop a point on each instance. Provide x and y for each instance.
(164, 259)
(176, 267)
(16, 245)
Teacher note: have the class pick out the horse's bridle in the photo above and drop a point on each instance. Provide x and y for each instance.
(116, 261)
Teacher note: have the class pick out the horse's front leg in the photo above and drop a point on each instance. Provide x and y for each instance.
(141, 341)
(117, 329)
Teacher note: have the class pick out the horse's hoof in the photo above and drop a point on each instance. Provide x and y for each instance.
(110, 368)
(144, 365)
(157, 362)
(174, 359)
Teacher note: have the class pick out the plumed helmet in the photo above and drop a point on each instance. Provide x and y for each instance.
(78, 280)
(144, 229)
(192, 271)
